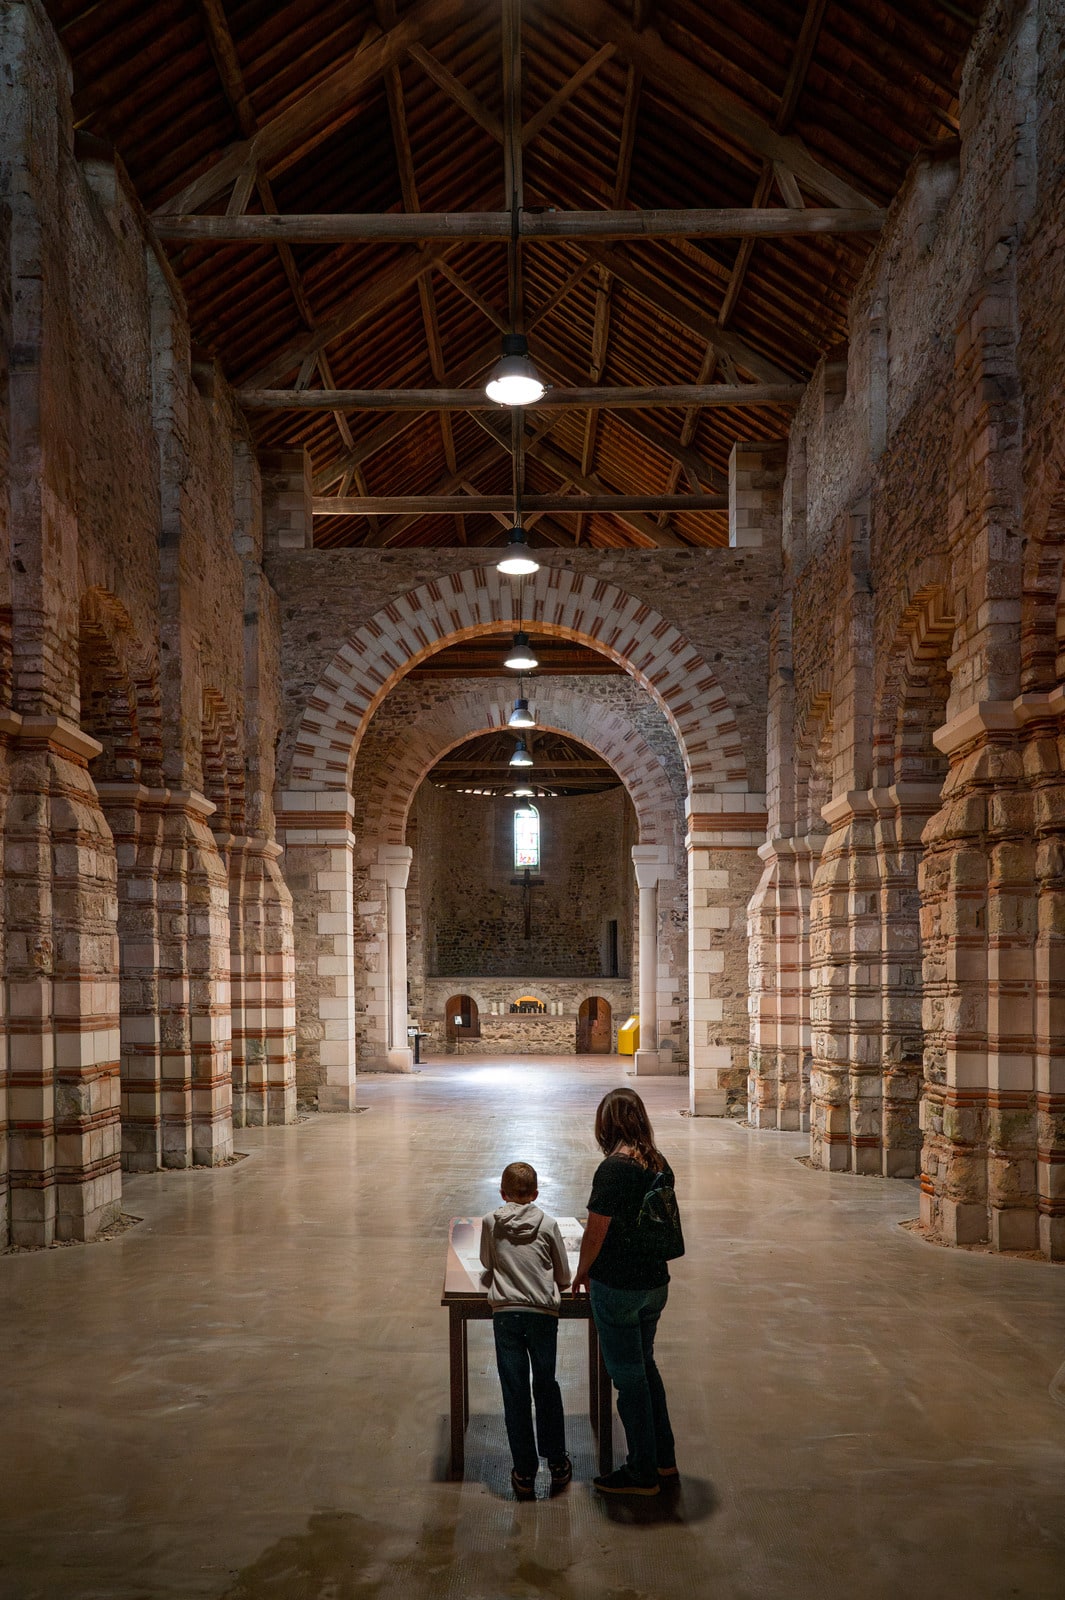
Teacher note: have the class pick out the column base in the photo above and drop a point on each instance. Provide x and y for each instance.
(653, 1063)
(707, 1102)
(400, 1061)
(337, 1097)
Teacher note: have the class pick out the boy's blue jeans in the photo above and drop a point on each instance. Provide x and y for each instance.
(524, 1339)
(626, 1321)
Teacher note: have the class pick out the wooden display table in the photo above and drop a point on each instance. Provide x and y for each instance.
(465, 1298)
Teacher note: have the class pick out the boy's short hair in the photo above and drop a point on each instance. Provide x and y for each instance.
(519, 1181)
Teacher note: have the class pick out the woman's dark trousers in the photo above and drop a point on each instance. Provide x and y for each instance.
(626, 1321)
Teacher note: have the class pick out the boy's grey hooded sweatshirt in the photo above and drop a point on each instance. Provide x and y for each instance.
(524, 1259)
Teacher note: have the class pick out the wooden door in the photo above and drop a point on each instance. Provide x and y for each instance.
(594, 1027)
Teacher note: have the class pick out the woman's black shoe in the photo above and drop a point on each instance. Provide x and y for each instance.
(524, 1488)
(561, 1472)
(623, 1482)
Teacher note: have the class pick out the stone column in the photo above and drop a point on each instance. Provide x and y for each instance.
(992, 914)
(902, 812)
(196, 1034)
(755, 482)
(287, 503)
(652, 865)
(393, 866)
(319, 842)
(135, 816)
(62, 988)
(268, 1012)
(845, 1084)
(778, 934)
(724, 834)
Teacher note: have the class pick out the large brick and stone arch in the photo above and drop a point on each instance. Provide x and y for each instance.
(726, 822)
(388, 773)
(389, 790)
(567, 604)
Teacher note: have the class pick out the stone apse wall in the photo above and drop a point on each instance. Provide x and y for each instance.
(908, 933)
(473, 915)
(146, 927)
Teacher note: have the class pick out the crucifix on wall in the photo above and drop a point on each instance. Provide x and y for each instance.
(527, 883)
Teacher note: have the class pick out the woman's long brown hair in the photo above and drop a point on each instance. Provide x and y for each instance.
(621, 1119)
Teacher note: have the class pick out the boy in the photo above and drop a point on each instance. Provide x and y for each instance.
(525, 1271)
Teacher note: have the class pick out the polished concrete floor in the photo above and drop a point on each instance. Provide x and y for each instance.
(245, 1396)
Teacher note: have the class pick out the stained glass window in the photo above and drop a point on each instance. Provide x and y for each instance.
(527, 838)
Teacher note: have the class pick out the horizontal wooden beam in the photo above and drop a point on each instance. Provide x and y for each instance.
(492, 504)
(541, 762)
(675, 395)
(397, 227)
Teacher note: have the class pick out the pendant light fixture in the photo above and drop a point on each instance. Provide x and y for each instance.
(521, 794)
(514, 380)
(517, 560)
(521, 756)
(521, 716)
(520, 657)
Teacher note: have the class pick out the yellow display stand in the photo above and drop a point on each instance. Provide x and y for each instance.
(629, 1036)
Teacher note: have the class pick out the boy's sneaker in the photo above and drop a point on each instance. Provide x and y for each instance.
(561, 1472)
(623, 1482)
(524, 1488)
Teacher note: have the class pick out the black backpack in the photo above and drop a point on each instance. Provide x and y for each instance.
(658, 1226)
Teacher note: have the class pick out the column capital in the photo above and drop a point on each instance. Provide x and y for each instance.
(845, 807)
(987, 716)
(653, 865)
(56, 732)
(393, 864)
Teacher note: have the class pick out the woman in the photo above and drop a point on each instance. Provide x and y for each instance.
(628, 1282)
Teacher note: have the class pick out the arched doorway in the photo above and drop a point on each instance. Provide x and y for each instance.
(594, 1030)
(462, 1020)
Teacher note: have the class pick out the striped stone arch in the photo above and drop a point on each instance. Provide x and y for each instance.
(557, 601)
(399, 769)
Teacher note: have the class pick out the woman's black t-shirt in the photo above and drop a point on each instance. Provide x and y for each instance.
(623, 1262)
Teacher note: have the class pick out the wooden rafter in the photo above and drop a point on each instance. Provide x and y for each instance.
(331, 102)
(388, 431)
(458, 92)
(601, 322)
(644, 526)
(657, 294)
(547, 112)
(386, 16)
(389, 532)
(789, 102)
(224, 53)
(702, 96)
(368, 302)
